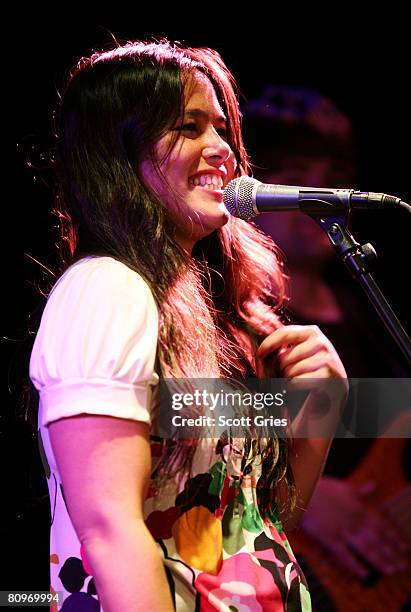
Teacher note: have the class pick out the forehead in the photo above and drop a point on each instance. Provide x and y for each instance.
(201, 95)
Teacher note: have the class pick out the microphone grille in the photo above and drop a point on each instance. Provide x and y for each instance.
(238, 197)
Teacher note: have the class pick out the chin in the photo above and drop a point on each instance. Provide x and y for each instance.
(215, 221)
(209, 224)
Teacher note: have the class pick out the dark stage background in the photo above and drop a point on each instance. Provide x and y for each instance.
(366, 76)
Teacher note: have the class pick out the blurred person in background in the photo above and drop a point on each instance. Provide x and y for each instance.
(297, 136)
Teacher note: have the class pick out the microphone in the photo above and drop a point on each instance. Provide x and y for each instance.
(245, 197)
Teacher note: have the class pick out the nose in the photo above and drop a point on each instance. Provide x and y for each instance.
(216, 150)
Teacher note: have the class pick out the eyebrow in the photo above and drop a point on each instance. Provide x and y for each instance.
(198, 112)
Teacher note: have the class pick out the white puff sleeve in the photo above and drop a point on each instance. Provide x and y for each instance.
(96, 345)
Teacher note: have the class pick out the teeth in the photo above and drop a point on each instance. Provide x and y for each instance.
(208, 181)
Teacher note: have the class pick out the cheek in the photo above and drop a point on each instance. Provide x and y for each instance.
(231, 166)
(176, 173)
(178, 164)
(155, 183)
(168, 162)
(149, 177)
(145, 172)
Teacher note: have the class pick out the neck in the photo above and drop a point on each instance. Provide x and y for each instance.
(185, 243)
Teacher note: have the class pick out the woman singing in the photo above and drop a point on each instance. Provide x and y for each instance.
(159, 281)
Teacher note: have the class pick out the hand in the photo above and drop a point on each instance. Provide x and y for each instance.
(303, 352)
(346, 526)
(309, 359)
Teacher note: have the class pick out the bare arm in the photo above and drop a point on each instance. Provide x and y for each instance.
(305, 357)
(307, 462)
(105, 465)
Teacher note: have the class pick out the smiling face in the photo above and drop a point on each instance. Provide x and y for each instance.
(199, 166)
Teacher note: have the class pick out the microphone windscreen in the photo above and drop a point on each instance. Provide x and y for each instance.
(238, 197)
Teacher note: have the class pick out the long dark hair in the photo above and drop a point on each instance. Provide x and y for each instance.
(214, 307)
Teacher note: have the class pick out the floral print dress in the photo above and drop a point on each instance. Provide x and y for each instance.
(218, 552)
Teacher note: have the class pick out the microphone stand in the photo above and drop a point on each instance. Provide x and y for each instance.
(359, 260)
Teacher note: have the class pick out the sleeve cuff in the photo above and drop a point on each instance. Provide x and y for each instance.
(97, 397)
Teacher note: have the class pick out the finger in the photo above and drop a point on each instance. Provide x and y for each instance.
(378, 542)
(310, 381)
(288, 334)
(347, 559)
(311, 364)
(370, 547)
(299, 352)
(377, 525)
(324, 380)
(388, 536)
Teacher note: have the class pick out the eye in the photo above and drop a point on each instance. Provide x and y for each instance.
(186, 127)
(223, 132)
